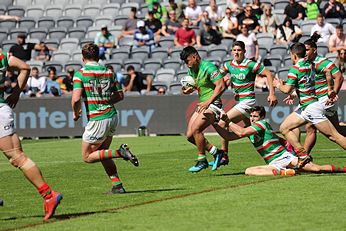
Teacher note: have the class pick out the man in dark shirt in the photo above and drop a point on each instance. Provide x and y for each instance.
(154, 25)
(249, 19)
(334, 9)
(22, 50)
(207, 35)
(295, 12)
(135, 81)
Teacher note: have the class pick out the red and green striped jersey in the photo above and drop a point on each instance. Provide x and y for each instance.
(321, 85)
(243, 77)
(266, 142)
(207, 75)
(4, 60)
(302, 76)
(98, 83)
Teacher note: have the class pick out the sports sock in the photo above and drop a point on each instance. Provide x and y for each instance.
(45, 191)
(115, 180)
(201, 157)
(334, 168)
(213, 150)
(108, 154)
(283, 172)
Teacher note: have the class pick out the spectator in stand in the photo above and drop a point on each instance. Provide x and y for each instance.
(334, 9)
(105, 41)
(193, 12)
(160, 12)
(43, 54)
(161, 91)
(256, 9)
(325, 30)
(130, 25)
(268, 20)
(52, 85)
(234, 6)
(208, 36)
(135, 81)
(312, 10)
(10, 81)
(229, 25)
(171, 25)
(206, 18)
(154, 25)
(251, 44)
(36, 85)
(295, 12)
(340, 61)
(143, 37)
(287, 33)
(178, 9)
(185, 36)
(337, 41)
(117, 75)
(248, 19)
(215, 11)
(22, 50)
(67, 82)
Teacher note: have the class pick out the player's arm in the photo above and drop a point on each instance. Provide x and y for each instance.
(24, 71)
(272, 97)
(283, 87)
(337, 78)
(76, 103)
(240, 131)
(117, 93)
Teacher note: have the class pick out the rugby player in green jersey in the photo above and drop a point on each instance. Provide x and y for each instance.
(275, 151)
(301, 77)
(242, 73)
(210, 85)
(100, 92)
(9, 141)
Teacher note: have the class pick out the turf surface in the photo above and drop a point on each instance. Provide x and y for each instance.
(163, 195)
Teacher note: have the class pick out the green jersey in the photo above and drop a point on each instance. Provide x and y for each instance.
(207, 75)
(302, 76)
(321, 84)
(266, 142)
(243, 77)
(97, 83)
(4, 60)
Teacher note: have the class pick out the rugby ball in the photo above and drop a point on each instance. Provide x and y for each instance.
(188, 81)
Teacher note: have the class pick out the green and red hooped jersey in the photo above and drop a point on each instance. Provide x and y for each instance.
(4, 60)
(243, 77)
(302, 77)
(207, 75)
(98, 83)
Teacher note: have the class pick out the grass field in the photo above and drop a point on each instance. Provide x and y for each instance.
(163, 195)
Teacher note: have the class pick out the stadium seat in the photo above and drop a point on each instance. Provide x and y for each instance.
(38, 33)
(42, 3)
(59, 67)
(99, 2)
(279, 15)
(69, 44)
(279, 50)
(52, 42)
(3, 34)
(121, 53)
(16, 11)
(333, 21)
(2, 10)
(8, 23)
(54, 11)
(218, 51)
(287, 62)
(280, 4)
(61, 2)
(46, 22)
(84, 21)
(306, 26)
(65, 22)
(160, 53)
(173, 63)
(217, 61)
(7, 44)
(117, 1)
(174, 88)
(92, 10)
(175, 52)
(126, 8)
(85, 41)
(6, 3)
(158, 84)
(265, 40)
(76, 55)
(140, 53)
(75, 64)
(140, 2)
(136, 63)
(103, 20)
(92, 32)
(111, 9)
(322, 49)
(117, 64)
(181, 73)
(120, 20)
(167, 42)
(203, 52)
(35, 11)
(35, 63)
(153, 64)
(73, 11)
(80, 2)
(132, 93)
(227, 42)
(27, 23)
(332, 56)
(57, 33)
(273, 60)
(15, 31)
(263, 52)
(115, 30)
(283, 73)
(272, 69)
(126, 41)
(76, 32)
(165, 75)
(61, 56)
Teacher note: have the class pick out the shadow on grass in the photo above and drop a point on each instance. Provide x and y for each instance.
(154, 190)
(231, 174)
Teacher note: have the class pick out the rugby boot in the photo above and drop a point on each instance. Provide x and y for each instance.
(200, 165)
(51, 204)
(125, 153)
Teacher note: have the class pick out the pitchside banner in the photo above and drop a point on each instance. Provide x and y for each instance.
(51, 117)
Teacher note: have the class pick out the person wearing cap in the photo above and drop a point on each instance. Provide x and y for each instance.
(22, 50)
(143, 37)
(105, 41)
(185, 36)
(154, 25)
(207, 35)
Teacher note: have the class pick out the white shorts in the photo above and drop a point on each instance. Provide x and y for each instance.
(244, 106)
(314, 113)
(6, 121)
(97, 131)
(283, 161)
(330, 110)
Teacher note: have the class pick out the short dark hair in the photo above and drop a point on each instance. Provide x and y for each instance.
(187, 51)
(298, 49)
(313, 40)
(240, 44)
(90, 51)
(130, 68)
(34, 68)
(109, 66)
(51, 68)
(134, 9)
(260, 109)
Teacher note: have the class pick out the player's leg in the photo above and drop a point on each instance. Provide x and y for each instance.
(327, 129)
(310, 138)
(328, 168)
(267, 170)
(334, 119)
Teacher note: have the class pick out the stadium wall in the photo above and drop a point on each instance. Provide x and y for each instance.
(52, 117)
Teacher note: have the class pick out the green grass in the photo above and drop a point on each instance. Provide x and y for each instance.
(163, 195)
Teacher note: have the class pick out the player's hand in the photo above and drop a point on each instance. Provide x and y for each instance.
(290, 99)
(273, 101)
(332, 97)
(77, 116)
(12, 100)
(203, 106)
(187, 90)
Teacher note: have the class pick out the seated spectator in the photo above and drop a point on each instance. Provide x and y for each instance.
(337, 41)
(52, 85)
(117, 75)
(193, 12)
(251, 44)
(295, 12)
(143, 37)
(67, 82)
(159, 11)
(135, 81)
(43, 54)
(234, 6)
(185, 36)
(340, 61)
(154, 25)
(171, 25)
(248, 19)
(130, 25)
(161, 91)
(105, 41)
(268, 20)
(261, 83)
(208, 36)
(334, 9)
(10, 81)
(206, 18)
(22, 50)
(288, 33)
(312, 10)
(325, 30)
(214, 11)
(36, 85)
(178, 9)
(229, 25)
(256, 9)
